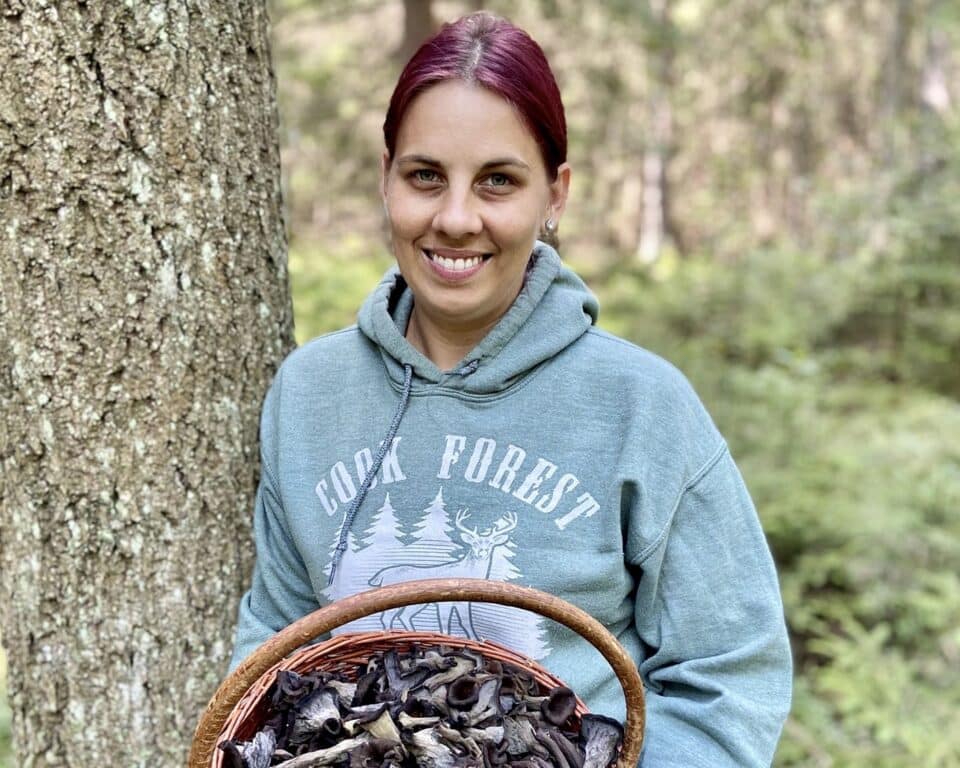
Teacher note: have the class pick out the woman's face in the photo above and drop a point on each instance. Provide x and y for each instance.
(466, 194)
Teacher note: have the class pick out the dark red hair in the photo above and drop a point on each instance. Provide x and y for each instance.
(489, 51)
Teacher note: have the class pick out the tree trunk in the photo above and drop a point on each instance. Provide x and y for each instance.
(418, 25)
(655, 216)
(145, 306)
(896, 85)
(935, 92)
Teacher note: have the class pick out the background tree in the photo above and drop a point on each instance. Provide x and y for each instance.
(658, 122)
(418, 25)
(144, 307)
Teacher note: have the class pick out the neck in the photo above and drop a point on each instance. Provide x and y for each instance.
(444, 347)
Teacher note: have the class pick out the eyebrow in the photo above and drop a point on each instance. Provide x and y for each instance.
(495, 163)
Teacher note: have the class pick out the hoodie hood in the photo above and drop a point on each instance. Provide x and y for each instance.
(553, 310)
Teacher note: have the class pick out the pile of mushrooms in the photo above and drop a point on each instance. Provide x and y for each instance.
(434, 707)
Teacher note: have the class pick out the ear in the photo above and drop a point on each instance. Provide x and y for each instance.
(559, 189)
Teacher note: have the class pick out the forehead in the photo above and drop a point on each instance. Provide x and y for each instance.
(455, 121)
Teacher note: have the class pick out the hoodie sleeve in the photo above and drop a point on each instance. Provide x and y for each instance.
(718, 669)
(280, 591)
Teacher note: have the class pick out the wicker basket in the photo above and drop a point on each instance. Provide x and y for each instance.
(238, 706)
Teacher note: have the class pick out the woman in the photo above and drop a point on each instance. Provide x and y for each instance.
(476, 423)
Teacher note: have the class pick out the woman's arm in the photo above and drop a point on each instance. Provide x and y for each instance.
(718, 669)
(280, 591)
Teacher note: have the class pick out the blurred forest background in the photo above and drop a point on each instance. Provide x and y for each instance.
(766, 193)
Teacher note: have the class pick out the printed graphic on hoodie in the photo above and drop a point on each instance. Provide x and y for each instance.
(447, 540)
(442, 544)
(518, 474)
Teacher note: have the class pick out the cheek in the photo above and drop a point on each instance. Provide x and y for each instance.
(514, 223)
(408, 218)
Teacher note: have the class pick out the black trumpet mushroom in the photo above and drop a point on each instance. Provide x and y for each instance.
(427, 707)
(601, 738)
(256, 753)
(559, 706)
(462, 693)
(374, 753)
(318, 715)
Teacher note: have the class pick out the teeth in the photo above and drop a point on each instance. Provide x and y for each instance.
(454, 265)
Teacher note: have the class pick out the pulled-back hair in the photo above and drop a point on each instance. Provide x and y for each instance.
(484, 49)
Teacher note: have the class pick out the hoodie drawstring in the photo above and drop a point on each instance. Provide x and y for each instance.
(469, 367)
(372, 472)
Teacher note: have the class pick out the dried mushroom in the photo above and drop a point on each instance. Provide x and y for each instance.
(559, 706)
(318, 715)
(253, 754)
(602, 737)
(434, 707)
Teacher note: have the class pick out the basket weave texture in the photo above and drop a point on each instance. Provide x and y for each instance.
(238, 708)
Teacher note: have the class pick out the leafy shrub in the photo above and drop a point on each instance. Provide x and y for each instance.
(857, 481)
(903, 323)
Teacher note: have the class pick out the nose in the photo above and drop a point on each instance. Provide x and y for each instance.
(457, 214)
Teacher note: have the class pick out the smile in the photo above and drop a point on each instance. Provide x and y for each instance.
(455, 265)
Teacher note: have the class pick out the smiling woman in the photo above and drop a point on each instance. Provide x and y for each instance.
(495, 430)
(467, 192)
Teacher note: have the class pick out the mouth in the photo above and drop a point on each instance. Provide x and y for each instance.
(454, 264)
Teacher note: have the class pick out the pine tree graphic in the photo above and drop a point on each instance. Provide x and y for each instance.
(521, 630)
(333, 591)
(432, 543)
(382, 541)
(384, 533)
(501, 567)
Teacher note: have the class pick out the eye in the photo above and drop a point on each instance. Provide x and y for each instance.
(425, 176)
(499, 182)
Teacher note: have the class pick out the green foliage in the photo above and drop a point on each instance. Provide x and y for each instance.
(905, 323)
(328, 283)
(5, 747)
(769, 307)
(856, 477)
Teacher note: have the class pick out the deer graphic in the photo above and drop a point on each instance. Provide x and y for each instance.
(474, 564)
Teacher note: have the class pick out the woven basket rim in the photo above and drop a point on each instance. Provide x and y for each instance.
(342, 612)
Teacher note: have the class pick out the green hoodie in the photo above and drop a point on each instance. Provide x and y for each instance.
(556, 456)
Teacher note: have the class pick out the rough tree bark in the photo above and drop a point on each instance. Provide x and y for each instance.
(145, 306)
